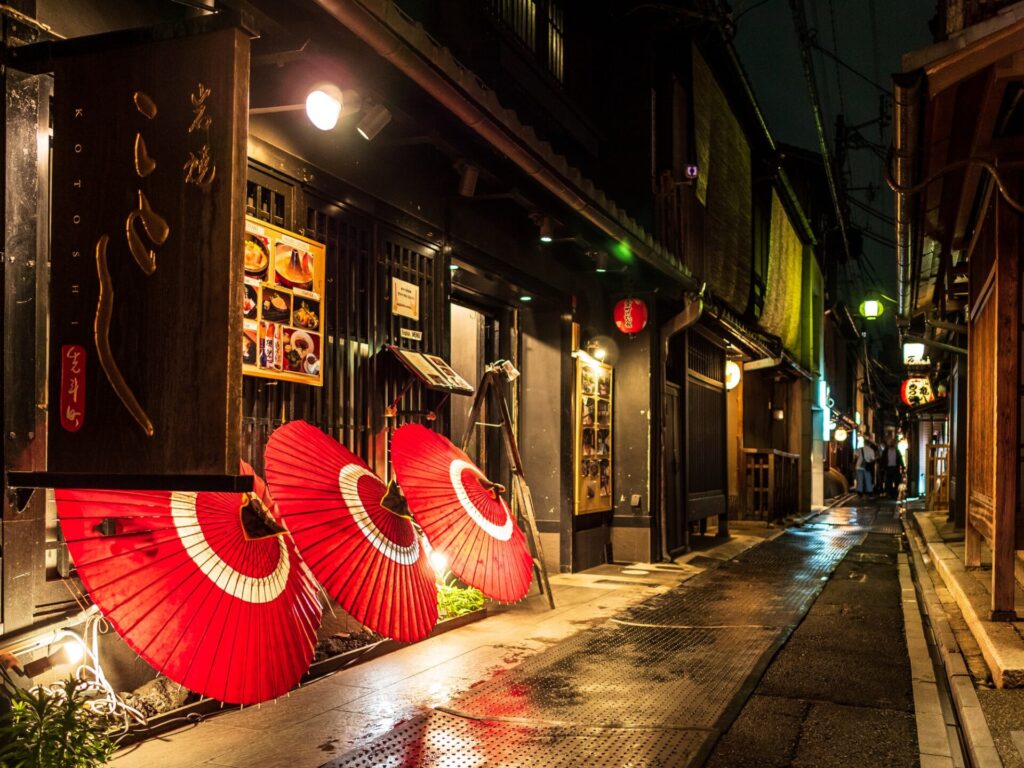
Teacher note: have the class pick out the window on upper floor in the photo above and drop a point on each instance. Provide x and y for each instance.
(556, 40)
(520, 16)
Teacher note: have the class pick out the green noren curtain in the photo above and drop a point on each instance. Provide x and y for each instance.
(784, 284)
(724, 187)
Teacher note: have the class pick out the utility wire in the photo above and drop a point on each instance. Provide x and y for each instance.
(822, 49)
(804, 36)
(871, 211)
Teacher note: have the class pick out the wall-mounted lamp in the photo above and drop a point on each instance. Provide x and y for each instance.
(605, 262)
(323, 106)
(733, 374)
(71, 651)
(373, 121)
(840, 435)
(547, 229)
(778, 414)
(468, 175)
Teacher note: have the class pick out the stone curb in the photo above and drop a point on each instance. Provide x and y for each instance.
(980, 745)
(999, 642)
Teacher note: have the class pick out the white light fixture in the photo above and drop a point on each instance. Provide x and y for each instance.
(856, 417)
(373, 121)
(323, 106)
(733, 373)
(913, 354)
(547, 230)
(841, 434)
(600, 353)
(778, 414)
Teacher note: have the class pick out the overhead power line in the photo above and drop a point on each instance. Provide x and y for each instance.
(800, 22)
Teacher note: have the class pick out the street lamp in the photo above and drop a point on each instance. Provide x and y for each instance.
(871, 309)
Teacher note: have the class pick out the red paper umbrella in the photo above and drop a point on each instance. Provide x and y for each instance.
(462, 514)
(365, 555)
(206, 587)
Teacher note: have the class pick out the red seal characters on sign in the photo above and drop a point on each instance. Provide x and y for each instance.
(630, 315)
(72, 387)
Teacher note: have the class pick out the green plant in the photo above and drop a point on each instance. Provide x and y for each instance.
(455, 601)
(54, 727)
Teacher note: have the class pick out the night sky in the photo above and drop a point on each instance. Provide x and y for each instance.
(767, 42)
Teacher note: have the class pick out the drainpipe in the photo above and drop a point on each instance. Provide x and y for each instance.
(689, 316)
(372, 28)
(906, 126)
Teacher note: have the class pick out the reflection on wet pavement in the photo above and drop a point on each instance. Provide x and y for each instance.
(654, 686)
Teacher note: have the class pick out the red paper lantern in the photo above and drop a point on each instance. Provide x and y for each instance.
(916, 391)
(630, 315)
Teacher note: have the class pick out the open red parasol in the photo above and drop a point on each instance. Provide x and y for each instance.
(462, 513)
(206, 587)
(366, 556)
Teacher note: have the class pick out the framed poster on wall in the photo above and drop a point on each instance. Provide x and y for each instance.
(282, 310)
(592, 458)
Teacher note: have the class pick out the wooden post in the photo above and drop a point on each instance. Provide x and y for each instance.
(1007, 394)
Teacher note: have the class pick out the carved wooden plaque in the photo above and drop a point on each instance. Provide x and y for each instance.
(149, 148)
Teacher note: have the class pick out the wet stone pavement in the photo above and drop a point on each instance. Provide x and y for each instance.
(696, 675)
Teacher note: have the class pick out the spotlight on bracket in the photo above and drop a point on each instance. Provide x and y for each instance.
(373, 122)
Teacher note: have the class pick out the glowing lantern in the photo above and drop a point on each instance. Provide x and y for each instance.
(732, 374)
(840, 435)
(871, 309)
(630, 316)
(916, 391)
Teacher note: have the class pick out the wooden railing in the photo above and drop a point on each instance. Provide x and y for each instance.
(771, 483)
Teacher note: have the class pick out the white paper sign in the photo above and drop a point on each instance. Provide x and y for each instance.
(405, 299)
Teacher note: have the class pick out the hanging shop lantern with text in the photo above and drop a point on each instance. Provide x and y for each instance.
(916, 391)
(630, 316)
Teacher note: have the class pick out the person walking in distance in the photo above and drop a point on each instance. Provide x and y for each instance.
(864, 463)
(892, 466)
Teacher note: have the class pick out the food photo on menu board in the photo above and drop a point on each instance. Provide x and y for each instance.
(282, 304)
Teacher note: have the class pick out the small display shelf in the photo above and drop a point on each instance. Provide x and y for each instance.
(593, 438)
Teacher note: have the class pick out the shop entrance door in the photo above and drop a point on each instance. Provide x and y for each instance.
(706, 476)
(477, 340)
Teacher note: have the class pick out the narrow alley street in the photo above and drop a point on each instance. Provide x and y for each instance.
(809, 622)
(802, 632)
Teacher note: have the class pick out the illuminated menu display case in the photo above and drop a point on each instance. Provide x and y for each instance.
(592, 457)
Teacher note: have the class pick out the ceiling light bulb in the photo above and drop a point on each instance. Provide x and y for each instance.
(323, 107)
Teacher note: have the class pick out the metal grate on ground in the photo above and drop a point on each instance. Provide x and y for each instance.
(440, 740)
(649, 688)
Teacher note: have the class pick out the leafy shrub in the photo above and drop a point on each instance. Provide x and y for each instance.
(455, 601)
(54, 728)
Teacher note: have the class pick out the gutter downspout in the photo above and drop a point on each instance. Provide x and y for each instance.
(906, 89)
(688, 317)
(392, 47)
